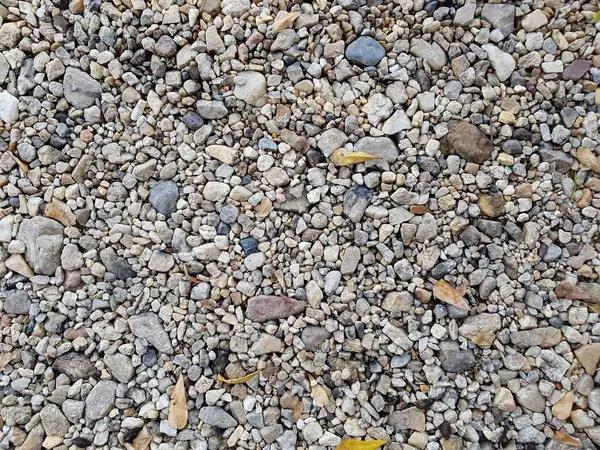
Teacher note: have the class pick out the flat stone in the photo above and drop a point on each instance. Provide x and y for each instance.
(76, 366)
(502, 62)
(544, 337)
(356, 201)
(432, 53)
(382, 147)
(331, 140)
(589, 356)
(408, 419)
(217, 417)
(313, 337)
(80, 89)
(120, 367)
(576, 70)
(501, 16)
(53, 421)
(365, 51)
(163, 197)
(149, 327)
(17, 302)
(467, 141)
(116, 265)
(251, 87)
(43, 239)
(101, 400)
(266, 344)
(455, 359)
(271, 307)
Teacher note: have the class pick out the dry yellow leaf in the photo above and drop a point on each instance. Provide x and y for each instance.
(564, 438)
(178, 413)
(142, 440)
(343, 157)
(239, 380)
(284, 19)
(446, 293)
(596, 16)
(562, 408)
(587, 157)
(353, 444)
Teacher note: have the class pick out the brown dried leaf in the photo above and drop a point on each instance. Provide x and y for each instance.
(353, 444)
(238, 380)
(587, 157)
(24, 167)
(343, 157)
(178, 413)
(446, 293)
(564, 438)
(142, 440)
(190, 278)
(562, 408)
(284, 20)
(59, 211)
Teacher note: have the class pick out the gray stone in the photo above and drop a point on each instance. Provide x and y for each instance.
(331, 140)
(73, 409)
(382, 147)
(465, 14)
(216, 417)
(251, 87)
(530, 397)
(76, 366)
(116, 265)
(408, 419)
(101, 400)
(356, 201)
(313, 337)
(454, 358)
(16, 302)
(500, 16)
(163, 197)
(43, 239)
(432, 53)
(80, 89)
(53, 421)
(120, 367)
(211, 109)
(9, 108)
(365, 51)
(149, 327)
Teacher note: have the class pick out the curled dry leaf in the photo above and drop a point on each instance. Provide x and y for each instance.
(284, 20)
(562, 408)
(587, 157)
(178, 413)
(343, 157)
(192, 279)
(353, 444)
(446, 293)
(24, 167)
(142, 440)
(239, 380)
(59, 211)
(564, 438)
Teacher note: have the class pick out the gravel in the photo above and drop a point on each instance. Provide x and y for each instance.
(170, 207)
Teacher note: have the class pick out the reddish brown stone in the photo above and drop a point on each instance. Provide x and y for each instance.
(271, 307)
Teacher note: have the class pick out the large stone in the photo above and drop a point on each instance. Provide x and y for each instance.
(331, 140)
(211, 109)
(163, 197)
(80, 89)
(432, 53)
(559, 160)
(120, 367)
(356, 201)
(576, 70)
(382, 147)
(266, 344)
(53, 420)
(589, 356)
(217, 417)
(223, 153)
(500, 15)
(76, 366)
(43, 239)
(544, 337)
(149, 327)
(101, 400)
(502, 62)
(454, 358)
(365, 51)
(467, 141)
(272, 307)
(17, 302)
(251, 87)
(313, 337)
(9, 107)
(116, 265)
(408, 419)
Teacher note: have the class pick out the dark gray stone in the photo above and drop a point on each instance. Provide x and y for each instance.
(356, 201)
(365, 51)
(455, 359)
(163, 197)
(17, 302)
(76, 366)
